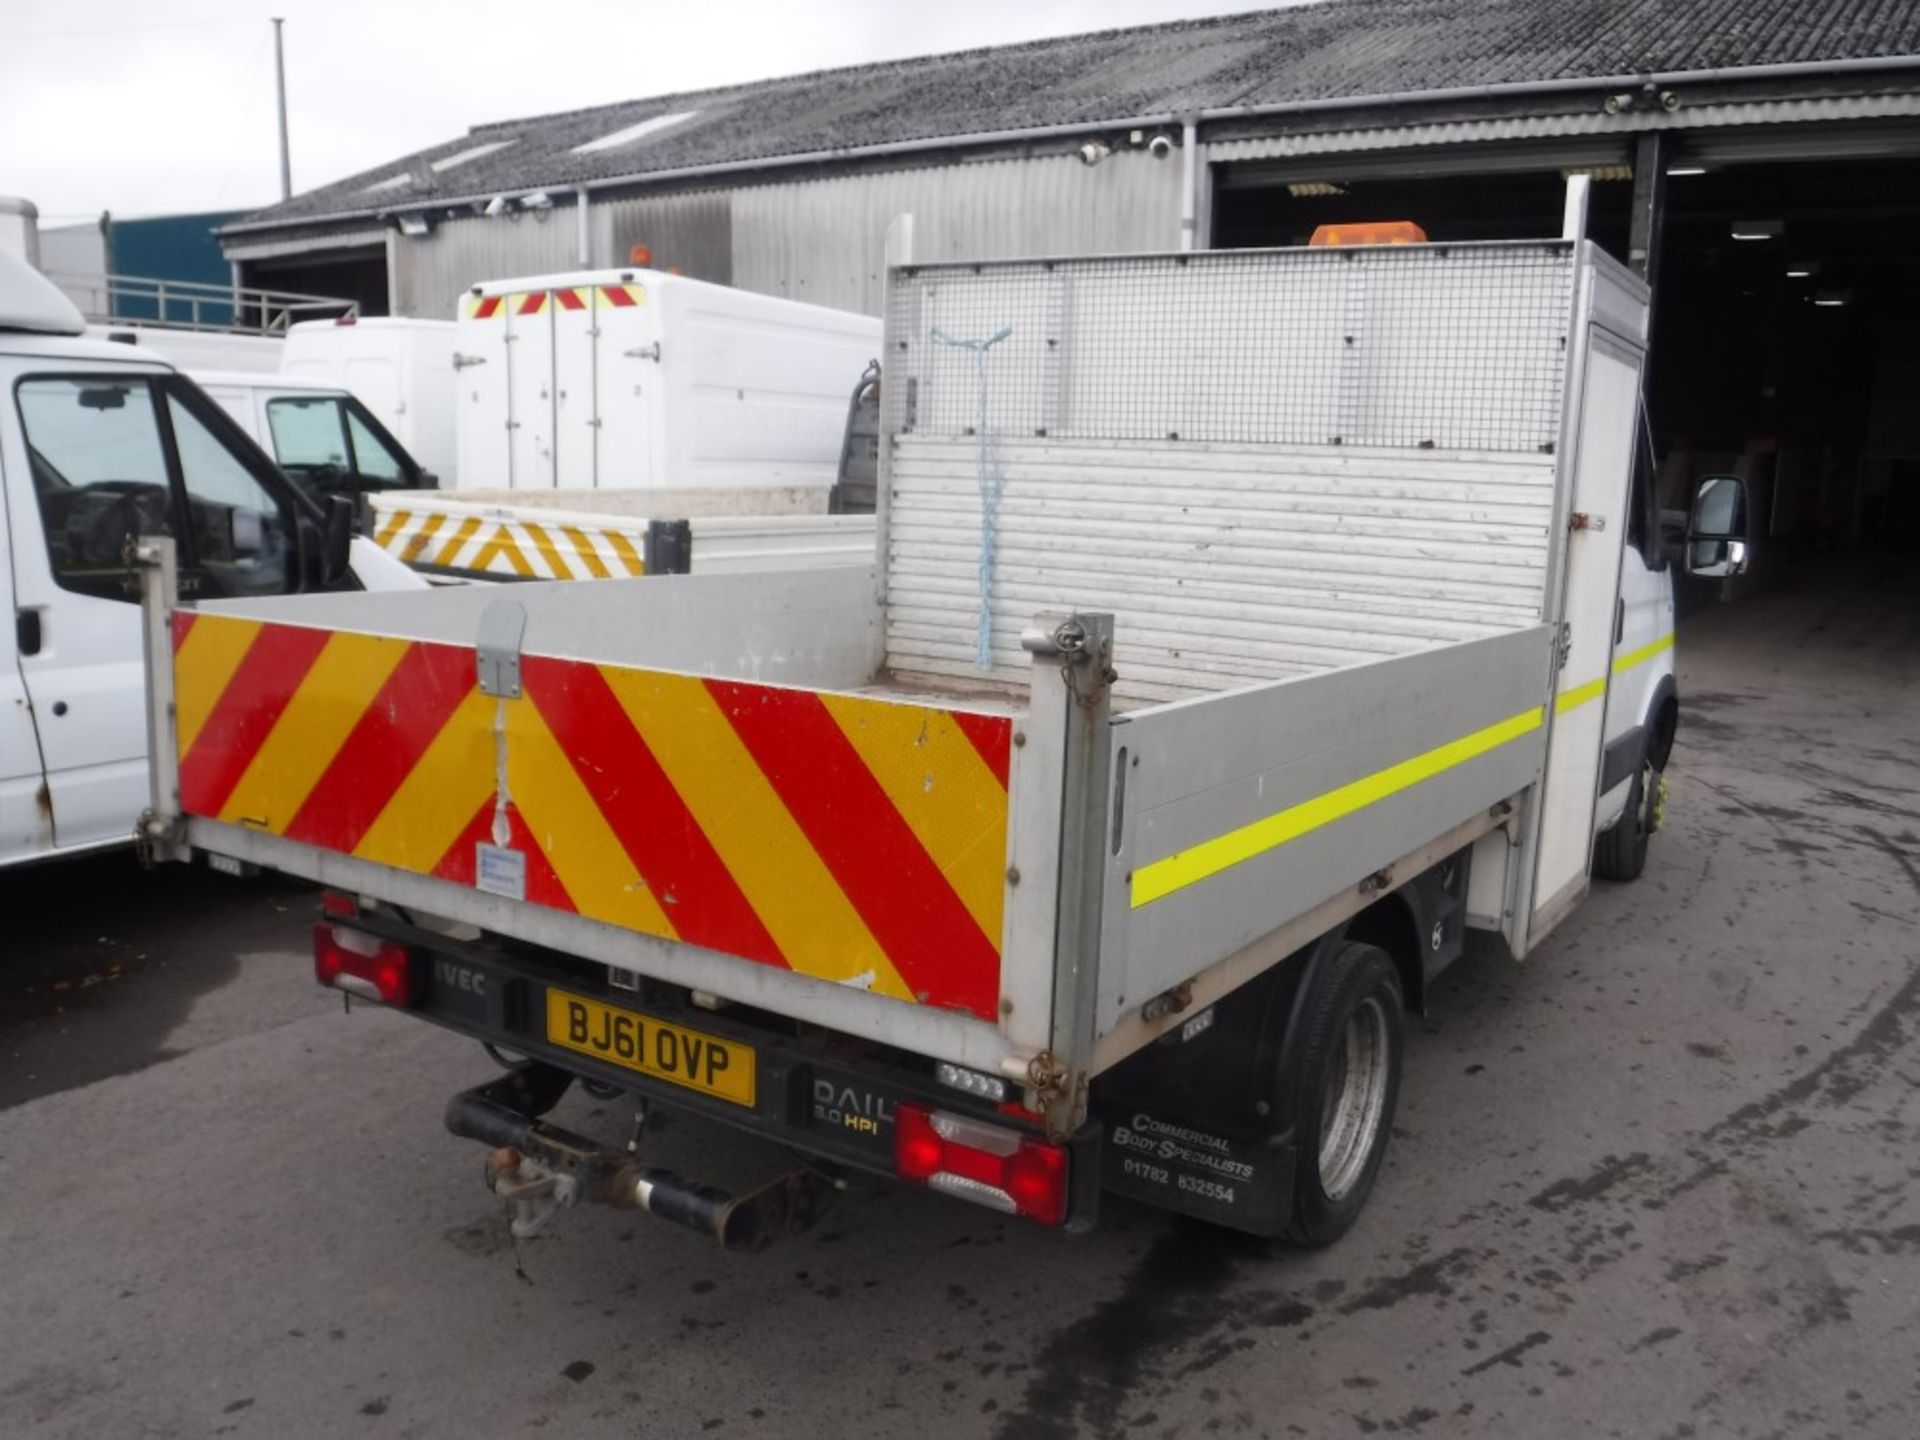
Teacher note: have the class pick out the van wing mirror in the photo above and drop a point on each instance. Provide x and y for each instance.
(336, 538)
(1717, 528)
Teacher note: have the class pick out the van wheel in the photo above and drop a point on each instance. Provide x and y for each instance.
(1620, 852)
(1349, 1083)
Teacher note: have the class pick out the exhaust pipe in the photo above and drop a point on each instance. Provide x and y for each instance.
(540, 1168)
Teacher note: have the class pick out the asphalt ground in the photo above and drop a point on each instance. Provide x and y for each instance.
(1659, 1180)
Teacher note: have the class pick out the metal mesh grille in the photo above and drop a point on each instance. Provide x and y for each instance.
(1434, 347)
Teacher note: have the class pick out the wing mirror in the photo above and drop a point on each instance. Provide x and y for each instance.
(1716, 546)
(336, 538)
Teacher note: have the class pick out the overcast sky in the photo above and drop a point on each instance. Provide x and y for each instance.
(147, 107)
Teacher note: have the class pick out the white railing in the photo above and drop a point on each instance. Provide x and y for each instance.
(195, 304)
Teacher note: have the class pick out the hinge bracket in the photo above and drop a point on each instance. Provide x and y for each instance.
(497, 650)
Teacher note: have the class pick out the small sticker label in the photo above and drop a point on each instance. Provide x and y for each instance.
(1197, 1026)
(500, 871)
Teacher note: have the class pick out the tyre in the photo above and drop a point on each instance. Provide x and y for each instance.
(1348, 1084)
(1620, 852)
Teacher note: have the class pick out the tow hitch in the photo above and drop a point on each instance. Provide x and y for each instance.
(539, 1169)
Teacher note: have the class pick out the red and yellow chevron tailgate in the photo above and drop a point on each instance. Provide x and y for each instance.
(854, 839)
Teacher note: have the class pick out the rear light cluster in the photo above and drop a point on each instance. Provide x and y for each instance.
(362, 964)
(990, 1165)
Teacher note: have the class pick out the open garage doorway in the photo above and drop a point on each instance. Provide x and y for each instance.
(1786, 321)
(1787, 347)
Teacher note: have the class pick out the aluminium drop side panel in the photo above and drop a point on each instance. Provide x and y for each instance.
(836, 857)
(1239, 811)
(1609, 340)
(482, 364)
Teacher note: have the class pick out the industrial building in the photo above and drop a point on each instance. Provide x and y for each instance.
(1758, 160)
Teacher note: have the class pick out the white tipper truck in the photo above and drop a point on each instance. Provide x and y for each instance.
(1243, 628)
(99, 442)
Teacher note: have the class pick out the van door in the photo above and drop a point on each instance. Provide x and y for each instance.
(530, 389)
(107, 456)
(482, 408)
(576, 425)
(629, 386)
(26, 819)
(1603, 462)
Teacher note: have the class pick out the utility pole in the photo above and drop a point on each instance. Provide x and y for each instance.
(280, 87)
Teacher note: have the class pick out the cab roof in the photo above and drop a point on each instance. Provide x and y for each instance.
(262, 380)
(31, 302)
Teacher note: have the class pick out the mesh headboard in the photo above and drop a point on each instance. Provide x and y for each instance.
(1263, 462)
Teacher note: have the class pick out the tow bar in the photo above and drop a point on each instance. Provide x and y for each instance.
(539, 1168)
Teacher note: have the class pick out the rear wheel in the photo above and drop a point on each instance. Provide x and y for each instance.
(1349, 1083)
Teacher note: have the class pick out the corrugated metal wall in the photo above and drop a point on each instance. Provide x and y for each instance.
(822, 241)
(693, 231)
(430, 273)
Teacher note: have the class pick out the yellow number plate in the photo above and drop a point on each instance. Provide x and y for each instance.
(652, 1047)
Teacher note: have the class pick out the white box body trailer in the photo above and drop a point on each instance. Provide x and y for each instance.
(400, 368)
(635, 379)
(1242, 627)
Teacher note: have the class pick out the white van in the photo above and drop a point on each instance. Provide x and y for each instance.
(400, 368)
(100, 442)
(322, 435)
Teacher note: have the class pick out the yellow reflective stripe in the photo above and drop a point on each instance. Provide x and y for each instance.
(756, 837)
(1189, 867)
(584, 547)
(502, 544)
(629, 557)
(1632, 658)
(444, 560)
(440, 795)
(410, 552)
(571, 831)
(203, 665)
(1593, 689)
(955, 806)
(1570, 699)
(331, 700)
(543, 544)
(399, 518)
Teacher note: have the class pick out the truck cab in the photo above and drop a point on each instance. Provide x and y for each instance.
(100, 442)
(323, 436)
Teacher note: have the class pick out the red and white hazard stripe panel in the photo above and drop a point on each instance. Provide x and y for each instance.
(566, 297)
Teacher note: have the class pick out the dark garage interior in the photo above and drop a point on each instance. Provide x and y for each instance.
(1786, 309)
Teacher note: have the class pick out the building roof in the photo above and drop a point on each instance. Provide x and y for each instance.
(1340, 49)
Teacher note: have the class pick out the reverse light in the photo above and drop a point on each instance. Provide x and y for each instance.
(362, 964)
(988, 1164)
(972, 1082)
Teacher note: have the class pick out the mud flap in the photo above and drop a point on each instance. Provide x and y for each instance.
(1175, 1165)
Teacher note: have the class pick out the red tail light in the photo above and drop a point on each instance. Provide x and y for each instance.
(362, 964)
(987, 1164)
